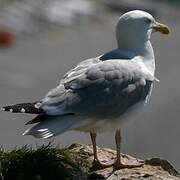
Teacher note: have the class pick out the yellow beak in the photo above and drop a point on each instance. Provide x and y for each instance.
(163, 29)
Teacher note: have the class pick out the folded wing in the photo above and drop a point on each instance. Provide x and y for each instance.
(99, 89)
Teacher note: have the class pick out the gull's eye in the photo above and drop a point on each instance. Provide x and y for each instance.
(148, 21)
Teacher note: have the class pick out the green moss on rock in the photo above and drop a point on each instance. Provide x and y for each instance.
(41, 164)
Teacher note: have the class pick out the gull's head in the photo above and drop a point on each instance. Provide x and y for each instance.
(135, 27)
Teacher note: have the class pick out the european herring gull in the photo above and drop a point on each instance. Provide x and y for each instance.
(101, 93)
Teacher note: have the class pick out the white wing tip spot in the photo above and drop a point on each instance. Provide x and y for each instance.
(37, 105)
(2, 109)
(11, 110)
(23, 110)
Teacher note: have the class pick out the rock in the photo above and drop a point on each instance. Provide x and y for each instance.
(75, 162)
(154, 168)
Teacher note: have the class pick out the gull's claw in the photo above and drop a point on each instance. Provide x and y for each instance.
(117, 165)
(131, 164)
(99, 165)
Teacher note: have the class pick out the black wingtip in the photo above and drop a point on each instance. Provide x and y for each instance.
(7, 108)
(3, 109)
(23, 108)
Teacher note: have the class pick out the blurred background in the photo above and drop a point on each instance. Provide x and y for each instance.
(40, 40)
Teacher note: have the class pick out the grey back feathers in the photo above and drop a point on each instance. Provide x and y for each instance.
(118, 54)
(104, 89)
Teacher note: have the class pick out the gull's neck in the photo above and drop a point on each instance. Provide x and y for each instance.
(143, 50)
(147, 56)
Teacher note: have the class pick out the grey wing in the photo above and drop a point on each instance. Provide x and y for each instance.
(79, 69)
(103, 89)
(56, 100)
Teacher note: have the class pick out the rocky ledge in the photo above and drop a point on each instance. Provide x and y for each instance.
(75, 162)
(153, 169)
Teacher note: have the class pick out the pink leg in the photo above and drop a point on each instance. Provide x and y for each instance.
(118, 163)
(93, 139)
(96, 162)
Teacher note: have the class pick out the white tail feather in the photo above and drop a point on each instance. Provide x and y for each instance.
(53, 126)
